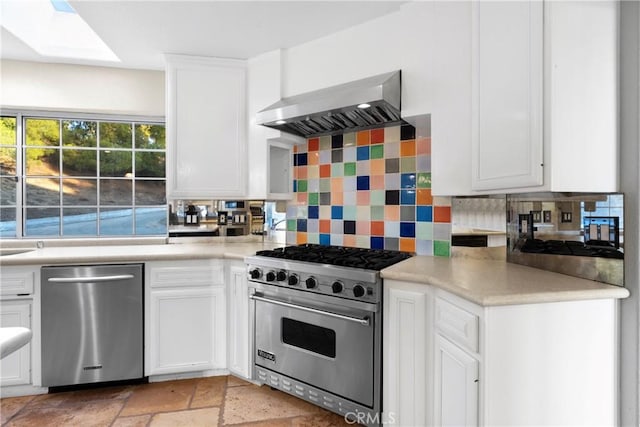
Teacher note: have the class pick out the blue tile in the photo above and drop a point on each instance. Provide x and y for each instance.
(362, 153)
(408, 180)
(363, 183)
(407, 197)
(407, 229)
(302, 159)
(325, 239)
(336, 212)
(302, 225)
(377, 242)
(314, 212)
(295, 186)
(424, 213)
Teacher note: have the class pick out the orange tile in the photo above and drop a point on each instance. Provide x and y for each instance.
(423, 197)
(441, 214)
(363, 137)
(314, 144)
(363, 198)
(302, 198)
(376, 182)
(336, 185)
(377, 136)
(408, 148)
(295, 148)
(301, 238)
(423, 146)
(301, 172)
(407, 244)
(392, 213)
(376, 167)
(313, 158)
(325, 226)
(349, 240)
(325, 171)
(377, 228)
(337, 198)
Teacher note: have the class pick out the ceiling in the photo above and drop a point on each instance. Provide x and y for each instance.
(141, 31)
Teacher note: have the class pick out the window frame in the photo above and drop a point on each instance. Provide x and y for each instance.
(21, 115)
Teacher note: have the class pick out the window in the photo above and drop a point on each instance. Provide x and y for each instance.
(70, 176)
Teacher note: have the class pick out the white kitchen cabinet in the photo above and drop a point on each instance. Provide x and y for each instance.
(543, 107)
(206, 127)
(239, 328)
(15, 369)
(185, 317)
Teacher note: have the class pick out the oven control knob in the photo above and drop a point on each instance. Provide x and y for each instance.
(281, 276)
(337, 287)
(293, 280)
(255, 273)
(311, 283)
(358, 291)
(271, 276)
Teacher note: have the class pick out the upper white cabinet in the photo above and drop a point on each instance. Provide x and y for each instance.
(543, 91)
(206, 127)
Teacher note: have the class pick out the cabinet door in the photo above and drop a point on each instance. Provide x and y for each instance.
(507, 95)
(15, 369)
(456, 385)
(239, 360)
(405, 357)
(206, 127)
(187, 330)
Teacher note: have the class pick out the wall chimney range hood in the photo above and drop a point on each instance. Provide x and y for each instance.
(362, 104)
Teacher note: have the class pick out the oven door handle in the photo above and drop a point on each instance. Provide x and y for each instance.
(364, 321)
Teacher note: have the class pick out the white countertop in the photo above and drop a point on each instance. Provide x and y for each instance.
(489, 282)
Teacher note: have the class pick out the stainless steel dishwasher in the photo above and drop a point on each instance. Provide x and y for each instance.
(92, 324)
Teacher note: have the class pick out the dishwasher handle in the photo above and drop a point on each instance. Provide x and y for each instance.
(90, 279)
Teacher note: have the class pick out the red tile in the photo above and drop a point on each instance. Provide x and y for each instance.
(314, 144)
(441, 214)
(325, 226)
(377, 136)
(325, 171)
(377, 228)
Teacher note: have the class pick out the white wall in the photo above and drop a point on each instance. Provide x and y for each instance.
(63, 87)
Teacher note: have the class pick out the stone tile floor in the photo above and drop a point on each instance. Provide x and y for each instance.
(212, 401)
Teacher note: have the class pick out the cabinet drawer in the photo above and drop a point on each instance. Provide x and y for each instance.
(457, 324)
(187, 275)
(18, 281)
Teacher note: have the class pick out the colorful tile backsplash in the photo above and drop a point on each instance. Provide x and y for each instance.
(369, 189)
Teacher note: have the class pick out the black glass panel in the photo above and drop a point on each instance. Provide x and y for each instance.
(309, 337)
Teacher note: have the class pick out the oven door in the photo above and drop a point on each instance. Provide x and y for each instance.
(326, 345)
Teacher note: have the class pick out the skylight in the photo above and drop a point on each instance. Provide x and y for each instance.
(53, 29)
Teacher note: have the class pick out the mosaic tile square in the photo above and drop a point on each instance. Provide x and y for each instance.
(363, 227)
(337, 226)
(392, 228)
(362, 182)
(325, 185)
(363, 168)
(336, 212)
(392, 181)
(313, 212)
(392, 197)
(423, 163)
(408, 148)
(424, 180)
(363, 241)
(363, 213)
(392, 134)
(441, 231)
(325, 142)
(302, 198)
(363, 198)
(408, 213)
(377, 242)
(349, 183)
(377, 182)
(337, 239)
(325, 171)
(407, 132)
(407, 197)
(313, 185)
(377, 136)
(441, 248)
(377, 167)
(350, 169)
(301, 172)
(349, 154)
(424, 230)
(377, 196)
(325, 198)
(325, 212)
(362, 153)
(349, 212)
(337, 184)
(313, 172)
(423, 146)
(336, 156)
(336, 198)
(392, 150)
(325, 239)
(349, 198)
(349, 139)
(377, 213)
(407, 229)
(423, 197)
(377, 228)
(301, 225)
(442, 214)
(313, 238)
(408, 164)
(377, 151)
(325, 226)
(392, 243)
(408, 180)
(363, 137)
(337, 169)
(424, 213)
(349, 227)
(424, 247)
(392, 165)
(391, 213)
(314, 199)
(336, 141)
(314, 158)
(407, 245)
(349, 240)
(313, 226)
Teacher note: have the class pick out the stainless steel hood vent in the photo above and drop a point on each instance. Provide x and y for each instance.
(362, 104)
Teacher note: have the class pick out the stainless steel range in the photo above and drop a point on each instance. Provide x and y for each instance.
(317, 319)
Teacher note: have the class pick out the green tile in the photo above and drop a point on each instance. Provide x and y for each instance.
(291, 225)
(313, 199)
(377, 198)
(350, 169)
(424, 180)
(441, 248)
(349, 139)
(302, 186)
(325, 185)
(377, 213)
(337, 169)
(407, 164)
(349, 213)
(377, 151)
(325, 142)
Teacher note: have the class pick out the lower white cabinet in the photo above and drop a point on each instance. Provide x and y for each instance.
(239, 328)
(186, 317)
(15, 369)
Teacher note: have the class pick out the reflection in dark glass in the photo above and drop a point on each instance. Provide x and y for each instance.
(43, 192)
(79, 133)
(8, 222)
(117, 135)
(309, 337)
(151, 221)
(42, 161)
(7, 161)
(116, 222)
(79, 162)
(116, 192)
(79, 192)
(79, 222)
(42, 132)
(8, 191)
(150, 164)
(150, 136)
(42, 222)
(150, 192)
(115, 163)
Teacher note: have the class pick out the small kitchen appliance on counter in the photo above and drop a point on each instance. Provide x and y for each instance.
(317, 325)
